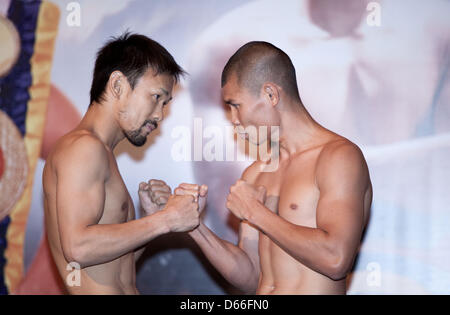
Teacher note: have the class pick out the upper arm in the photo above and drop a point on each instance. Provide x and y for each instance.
(248, 234)
(81, 173)
(342, 178)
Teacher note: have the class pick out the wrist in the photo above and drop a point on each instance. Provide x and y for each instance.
(197, 232)
(254, 214)
(161, 216)
(194, 234)
(142, 212)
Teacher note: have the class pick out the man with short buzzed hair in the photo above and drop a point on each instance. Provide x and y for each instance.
(302, 224)
(258, 62)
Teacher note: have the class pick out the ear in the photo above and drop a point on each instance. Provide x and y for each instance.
(116, 84)
(271, 93)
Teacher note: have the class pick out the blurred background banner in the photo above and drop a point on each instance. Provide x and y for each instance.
(376, 72)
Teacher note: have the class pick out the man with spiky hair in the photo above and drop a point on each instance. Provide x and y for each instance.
(89, 213)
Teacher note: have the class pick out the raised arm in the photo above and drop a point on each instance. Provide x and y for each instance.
(329, 249)
(238, 264)
(82, 171)
(153, 197)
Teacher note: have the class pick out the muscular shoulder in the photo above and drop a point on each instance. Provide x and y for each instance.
(341, 159)
(81, 152)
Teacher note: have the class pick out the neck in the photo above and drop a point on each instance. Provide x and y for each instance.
(299, 131)
(100, 120)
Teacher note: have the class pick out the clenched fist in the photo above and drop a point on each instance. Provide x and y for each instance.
(198, 192)
(242, 198)
(153, 195)
(181, 213)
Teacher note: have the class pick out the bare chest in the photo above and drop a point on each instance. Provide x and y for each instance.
(292, 192)
(118, 203)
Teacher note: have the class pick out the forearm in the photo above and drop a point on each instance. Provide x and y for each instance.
(103, 243)
(312, 247)
(231, 261)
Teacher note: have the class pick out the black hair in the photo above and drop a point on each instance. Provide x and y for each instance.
(133, 55)
(258, 62)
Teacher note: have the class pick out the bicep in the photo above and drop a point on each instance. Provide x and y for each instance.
(248, 234)
(249, 242)
(340, 210)
(341, 217)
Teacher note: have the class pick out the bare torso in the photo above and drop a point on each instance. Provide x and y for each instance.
(114, 277)
(293, 194)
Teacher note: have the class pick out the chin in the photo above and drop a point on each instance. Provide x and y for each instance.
(136, 138)
(139, 144)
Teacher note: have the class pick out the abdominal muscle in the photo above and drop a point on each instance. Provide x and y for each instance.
(282, 274)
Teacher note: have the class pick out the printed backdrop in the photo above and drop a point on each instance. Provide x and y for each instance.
(377, 73)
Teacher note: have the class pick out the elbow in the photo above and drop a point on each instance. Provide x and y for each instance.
(75, 254)
(246, 280)
(250, 286)
(337, 273)
(337, 267)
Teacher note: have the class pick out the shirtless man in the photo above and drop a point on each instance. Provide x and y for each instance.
(89, 213)
(301, 225)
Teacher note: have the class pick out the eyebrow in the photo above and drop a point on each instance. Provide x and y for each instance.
(167, 94)
(164, 91)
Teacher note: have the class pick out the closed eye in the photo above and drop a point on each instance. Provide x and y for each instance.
(167, 102)
(232, 104)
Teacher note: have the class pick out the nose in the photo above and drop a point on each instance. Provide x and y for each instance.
(234, 117)
(158, 115)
